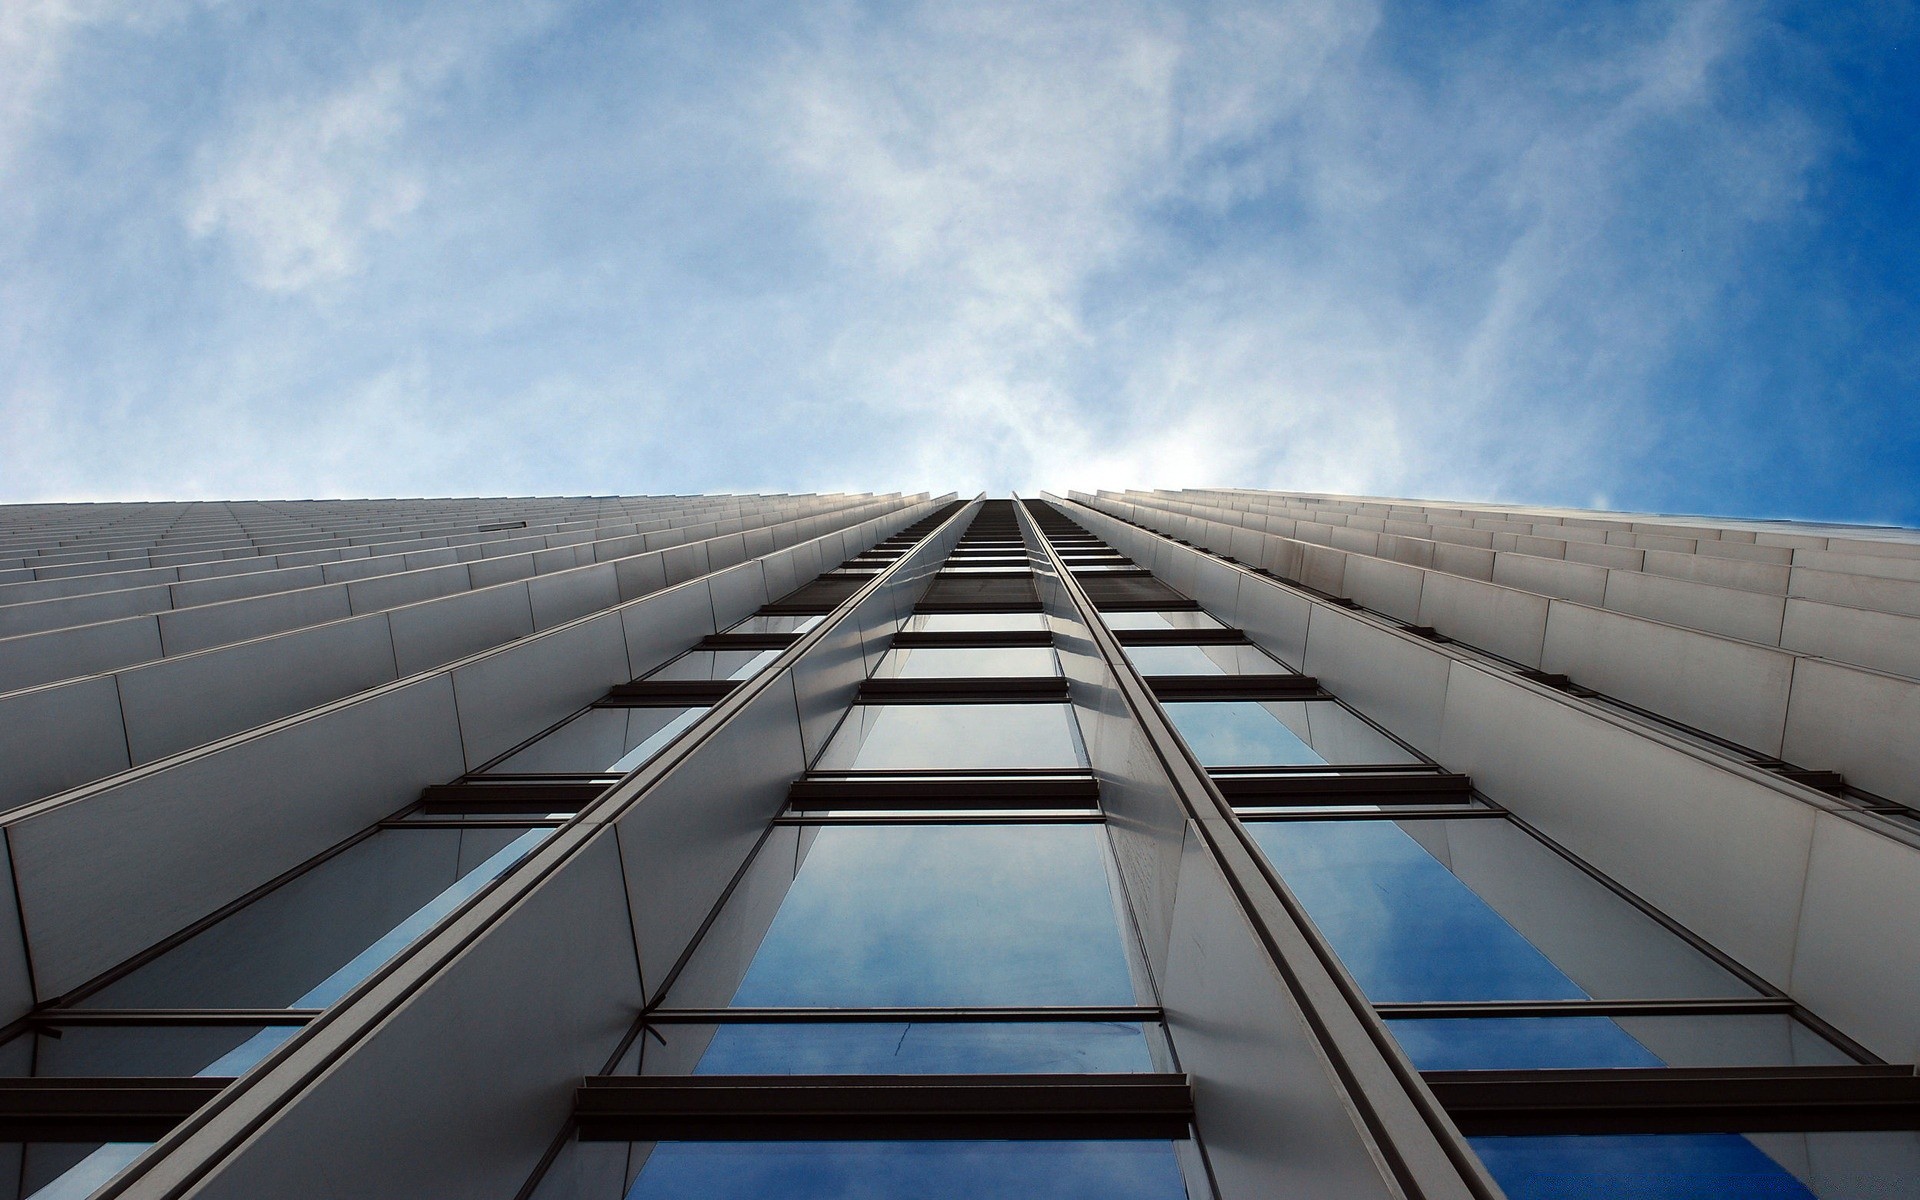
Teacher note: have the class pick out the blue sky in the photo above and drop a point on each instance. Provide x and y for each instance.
(1658, 256)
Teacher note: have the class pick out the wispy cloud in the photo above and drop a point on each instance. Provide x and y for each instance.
(1355, 246)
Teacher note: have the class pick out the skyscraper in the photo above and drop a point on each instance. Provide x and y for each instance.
(1139, 844)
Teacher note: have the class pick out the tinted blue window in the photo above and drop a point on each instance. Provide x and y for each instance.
(1515, 1044)
(1476, 910)
(1695, 1040)
(1706, 1166)
(1406, 927)
(910, 1171)
(1280, 733)
(954, 737)
(920, 1048)
(945, 915)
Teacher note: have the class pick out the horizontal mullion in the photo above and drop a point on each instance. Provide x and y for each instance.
(1675, 1006)
(1383, 813)
(945, 819)
(1680, 1100)
(174, 1016)
(989, 638)
(971, 689)
(474, 823)
(865, 1107)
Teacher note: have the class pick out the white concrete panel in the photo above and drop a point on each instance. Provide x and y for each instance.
(1720, 572)
(218, 825)
(640, 575)
(1729, 612)
(737, 592)
(1601, 554)
(508, 696)
(1859, 722)
(1468, 562)
(1500, 620)
(1397, 679)
(1324, 569)
(1389, 587)
(725, 551)
(1884, 641)
(1733, 689)
(37, 658)
(1214, 584)
(189, 629)
(1722, 854)
(665, 623)
(233, 587)
(391, 591)
(1859, 951)
(1274, 617)
(1582, 582)
(41, 615)
(444, 631)
(1856, 591)
(178, 703)
(1858, 564)
(557, 599)
(58, 737)
(490, 572)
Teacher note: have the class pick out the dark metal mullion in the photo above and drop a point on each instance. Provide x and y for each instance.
(1503, 1009)
(1202, 798)
(940, 819)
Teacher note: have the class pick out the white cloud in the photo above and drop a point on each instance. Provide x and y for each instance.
(999, 184)
(304, 186)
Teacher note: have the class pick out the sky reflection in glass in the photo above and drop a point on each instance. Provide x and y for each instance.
(1698, 1166)
(975, 622)
(1541, 1043)
(600, 741)
(1204, 660)
(716, 664)
(955, 1170)
(957, 662)
(1404, 925)
(788, 623)
(910, 737)
(1281, 733)
(945, 915)
(1160, 620)
(921, 1048)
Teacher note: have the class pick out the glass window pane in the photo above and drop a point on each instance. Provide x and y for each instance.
(955, 1170)
(1281, 733)
(898, 1048)
(1476, 910)
(304, 944)
(975, 622)
(778, 624)
(716, 664)
(1705, 1166)
(600, 741)
(1541, 1043)
(1180, 619)
(953, 737)
(949, 915)
(139, 1050)
(1204, 660)
(62, 1170)
(955, 662)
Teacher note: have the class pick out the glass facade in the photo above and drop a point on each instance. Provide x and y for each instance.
(929, 895)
